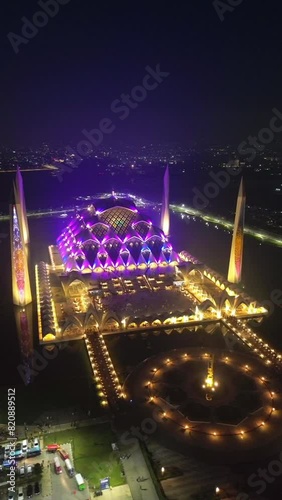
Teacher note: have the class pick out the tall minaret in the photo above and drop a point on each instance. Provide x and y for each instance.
(236, 255)
(20, 200)
(19, 236)
(165, 205)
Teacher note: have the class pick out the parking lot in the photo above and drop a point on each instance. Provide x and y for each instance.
(52, 485)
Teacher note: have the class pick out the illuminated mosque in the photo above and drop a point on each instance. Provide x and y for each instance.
(113, 271)
(114, 236)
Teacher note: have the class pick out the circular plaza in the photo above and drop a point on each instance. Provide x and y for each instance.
(239, 410)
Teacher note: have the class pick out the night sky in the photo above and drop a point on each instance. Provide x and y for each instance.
(224, 76)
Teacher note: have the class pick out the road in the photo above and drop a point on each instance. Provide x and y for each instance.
(260, 234)
(134, 467)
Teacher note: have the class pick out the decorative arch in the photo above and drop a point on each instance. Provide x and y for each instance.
(144, 324)
(196, 273)
(72, 330)
(226, 299)
(77, 287)
(241, 306)
(111, 321)
(206, 305)
(167, 321)
(132, 325)
(226, 306)
(110, 325)
(49, 337)
(91, 322)
(156, 322)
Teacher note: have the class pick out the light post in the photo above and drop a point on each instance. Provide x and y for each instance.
(219, 491)
(72, 446)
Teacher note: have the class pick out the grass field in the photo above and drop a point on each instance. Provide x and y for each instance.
(93, 456)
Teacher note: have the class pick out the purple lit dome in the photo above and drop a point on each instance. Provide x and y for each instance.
(114, 236)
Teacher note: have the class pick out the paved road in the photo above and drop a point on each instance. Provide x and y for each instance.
(118, 493)
(134, 467)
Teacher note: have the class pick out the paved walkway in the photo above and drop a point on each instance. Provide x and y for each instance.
(195, 475)
(46, 484)
(117, 493)
(134, 467)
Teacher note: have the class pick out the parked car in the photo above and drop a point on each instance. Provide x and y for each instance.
(36, 488)
(22, 470)
(29, 469)
(63, 453)
(11, 496)
(24, 446)
(57, 466)
(29, 491)
(20, 493)
(35, 442)
(52, 447)
(18, 454)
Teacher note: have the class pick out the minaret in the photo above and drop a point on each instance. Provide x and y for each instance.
(24, 322)
(236, 255)
(165, 205)
(19, 236)
(20, 200)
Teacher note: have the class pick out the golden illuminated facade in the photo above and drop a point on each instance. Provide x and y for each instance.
(210, 383)
(20, 200)
(236, 256)
(112, 270)
(19, 247)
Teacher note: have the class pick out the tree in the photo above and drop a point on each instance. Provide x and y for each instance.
(37, 469)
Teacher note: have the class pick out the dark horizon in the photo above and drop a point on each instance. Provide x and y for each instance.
(222, 83)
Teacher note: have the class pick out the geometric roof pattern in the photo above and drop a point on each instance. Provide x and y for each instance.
(119, 218)
(113, 237)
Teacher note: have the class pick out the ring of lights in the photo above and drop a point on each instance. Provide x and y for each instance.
(166, 413)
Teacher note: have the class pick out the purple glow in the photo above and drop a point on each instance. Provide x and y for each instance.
(129, 241)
